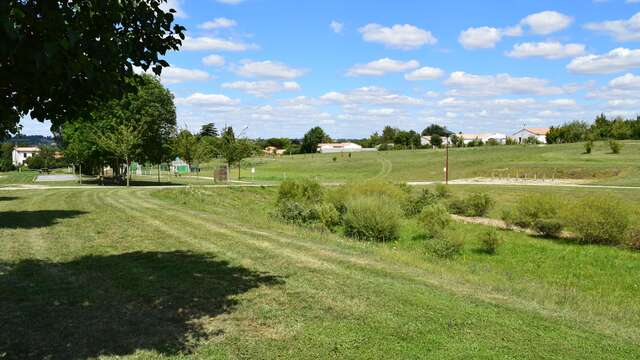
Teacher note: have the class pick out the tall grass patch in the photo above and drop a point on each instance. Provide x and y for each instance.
(599, 219)
(372, 218)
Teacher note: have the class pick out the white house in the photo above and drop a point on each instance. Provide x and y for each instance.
(539, 133)
(339, 147)
(426, 140)
(499, 137)
(20, 154)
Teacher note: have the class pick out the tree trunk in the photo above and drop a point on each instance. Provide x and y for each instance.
(128, 174)
(158, 172)
(80, 173)
(238, 171)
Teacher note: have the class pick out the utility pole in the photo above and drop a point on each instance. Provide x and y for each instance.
(446, 161)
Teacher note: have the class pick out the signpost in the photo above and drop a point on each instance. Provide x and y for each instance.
(446, 161)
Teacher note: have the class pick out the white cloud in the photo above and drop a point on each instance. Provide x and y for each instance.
(464, 84)
(424, 73)
(176, 75)
(262, 88)
(548, 50)
(621, 30)
(336, 26)
(219, 23)
(207, 100)
(211, 43)
(213, 60)
(405, 37)
(268, 69)
(547, 22)
(381, 67)
(563, 102)
(370, 95)
(616, 60)
(175, 5)
(626, 81)
(480, 38)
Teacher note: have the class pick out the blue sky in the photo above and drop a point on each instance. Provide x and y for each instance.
(283, 66)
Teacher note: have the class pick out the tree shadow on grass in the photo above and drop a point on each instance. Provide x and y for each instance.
(34, 219)
(117, 304)
(8, 198)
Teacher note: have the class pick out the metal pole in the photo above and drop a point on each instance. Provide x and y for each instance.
(446, 162)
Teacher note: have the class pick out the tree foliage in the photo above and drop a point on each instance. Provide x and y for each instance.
(312, 138)
(58, 58)
(435, 129)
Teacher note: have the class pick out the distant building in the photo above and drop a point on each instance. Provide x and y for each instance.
(339, 147)
(21, 154)
(499, 137)
(272, 150)
(426, 140)
(539, 133)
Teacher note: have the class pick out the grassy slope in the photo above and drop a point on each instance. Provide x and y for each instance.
(16, 177)
(561, 161)
(186, 270)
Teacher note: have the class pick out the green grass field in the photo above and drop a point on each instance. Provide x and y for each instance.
(558, 161)
(207, 273)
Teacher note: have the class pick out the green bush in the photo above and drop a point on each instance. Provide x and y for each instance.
(445, 247)
(302, 191)
(615, 146)
(633, 240)
(443, 191)
(548, 227)
(434, 219)
(296, 212)
(392, 193)
(490, 241)
(530, 209)
(328, 215)
(418, 201)
(588, 146)
(372, 218)
(599, 220)
(476, 204)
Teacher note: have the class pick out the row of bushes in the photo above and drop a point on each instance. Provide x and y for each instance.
(373, 211)
(593, 220)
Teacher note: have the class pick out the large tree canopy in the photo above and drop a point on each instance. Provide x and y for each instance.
(59, 56)
(312, 138)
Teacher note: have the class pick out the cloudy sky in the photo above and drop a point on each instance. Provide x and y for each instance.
(283, 66)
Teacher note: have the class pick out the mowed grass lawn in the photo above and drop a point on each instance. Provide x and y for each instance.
(207, 273)
(558, 161)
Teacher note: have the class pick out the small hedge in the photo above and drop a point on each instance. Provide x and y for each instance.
(475, 205)
(418, 201)
(372, 218)
(434, 220)
(599, 220)
(548, 227)
(445, 247)
(491, 241)
(300, 191)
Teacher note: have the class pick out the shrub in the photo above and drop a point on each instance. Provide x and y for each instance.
(393, 194)
(445, 247)
(296, 212)
(328, 215)
(443, 191)
(372, 218)
(599, 220)
(548, 227)
(418, 201)
(490, 241)
(633, 240)
(434, 219)
(493, 142)
(302, 191)
(531, 208)
(476, 204)
(588, 146)
(615, 146)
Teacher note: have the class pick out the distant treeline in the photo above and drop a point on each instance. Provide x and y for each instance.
(601, 129)
(32, 140)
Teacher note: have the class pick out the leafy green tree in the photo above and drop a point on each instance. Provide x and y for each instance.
(312, 138)
(208, 130)
(6, 159)
(233, 150)
(59, 58)
(185, 146)
(79, 146)
(436, 140)
(389, 134)
(123, 141)
(435, 129)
